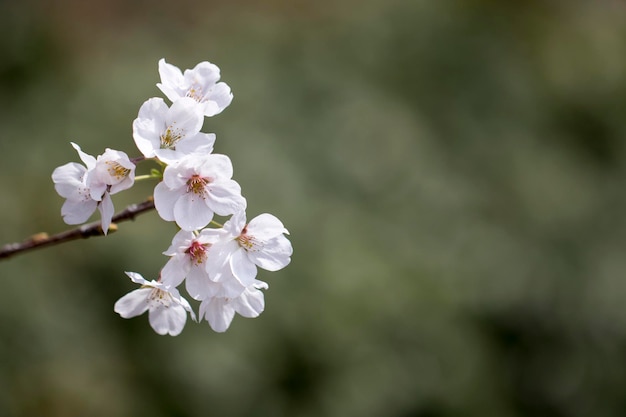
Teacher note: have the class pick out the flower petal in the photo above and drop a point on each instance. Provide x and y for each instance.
(169, 320)
(243, 268)
(191, 212)
(250, 304)
(133, 304)
(275, 255)
(165, 199)
(218, 313)
(106, 212)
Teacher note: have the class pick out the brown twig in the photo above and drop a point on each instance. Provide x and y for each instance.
(85, 231)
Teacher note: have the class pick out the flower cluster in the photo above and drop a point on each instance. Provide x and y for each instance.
(217, 264)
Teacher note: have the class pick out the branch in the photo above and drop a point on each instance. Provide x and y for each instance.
(85, 231)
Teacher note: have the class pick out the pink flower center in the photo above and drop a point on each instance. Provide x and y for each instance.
(197, 252)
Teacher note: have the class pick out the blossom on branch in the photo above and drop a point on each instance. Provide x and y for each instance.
(169, 133)
(86, 188)
(199, 83)
(196, 187)
(167, 310)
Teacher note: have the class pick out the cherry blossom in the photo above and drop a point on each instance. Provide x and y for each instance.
(169, 133)
(196, 187)
(167, 310)
(220, 311)
(90, 187)
(261, 242)
(199, 83)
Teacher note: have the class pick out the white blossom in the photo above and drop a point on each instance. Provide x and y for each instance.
(200, 83)
(261, 242)
(169, 133)
(220, 311)
(88, 187)
(167, 310)
(196, 187)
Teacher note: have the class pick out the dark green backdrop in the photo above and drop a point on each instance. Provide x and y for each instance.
(452, 173)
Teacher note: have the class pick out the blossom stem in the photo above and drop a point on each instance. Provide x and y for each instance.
(145, 177)
(85, 231)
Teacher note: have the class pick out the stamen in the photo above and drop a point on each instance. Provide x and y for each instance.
(197, 252)
(170, 138)
(196, 184)
(116, 170)
(195, 92)
(159, 298)
(248, 242)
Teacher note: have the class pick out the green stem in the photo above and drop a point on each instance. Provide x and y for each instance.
(145, 177)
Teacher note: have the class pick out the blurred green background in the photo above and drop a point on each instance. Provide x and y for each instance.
(452, 174)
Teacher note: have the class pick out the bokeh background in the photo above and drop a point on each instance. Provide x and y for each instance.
(452, 173)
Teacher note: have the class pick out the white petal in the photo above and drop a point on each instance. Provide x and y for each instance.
(225, 197)
(106, 211)
(198, 283)
(180, 243)
(218, 313)
(201, 143)
(165, 199)
(68, 179)
(169, 320)
(275, 254)
(242, 267)
(174, 271)
(265, 226)
(77, 212)
(87, 159)
(133, 304)
(215, 166)
(191, 212)
(185, 117)
(171, 79)
(236, 223)
(250, 304)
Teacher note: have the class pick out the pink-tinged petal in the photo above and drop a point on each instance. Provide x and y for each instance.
(250, 304)
(265, 226)
(87, 159)
(106, 212)
(225, 197)
(275, 254)
(191, 212)
(133, 304)
(77, 212)
(243, 269)
(68, 180)
(218, 313)
(165, 199)
(168, 320)
(174, 271)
